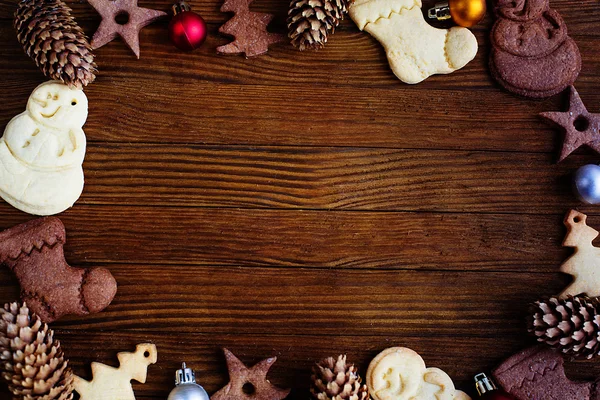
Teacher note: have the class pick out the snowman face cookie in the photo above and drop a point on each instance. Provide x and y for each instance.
(58, 106)
(49, 135)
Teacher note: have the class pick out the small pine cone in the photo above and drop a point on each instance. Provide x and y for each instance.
(335, 380)
(52, 38)
(31, 361)
(310, 22)
(571, 325)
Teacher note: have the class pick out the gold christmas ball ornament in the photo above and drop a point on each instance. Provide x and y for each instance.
(465, 13)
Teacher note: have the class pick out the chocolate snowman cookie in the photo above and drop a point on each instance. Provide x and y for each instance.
(532, 54)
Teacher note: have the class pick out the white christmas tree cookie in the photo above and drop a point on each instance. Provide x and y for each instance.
(399, 373)
(111, 383)
(415, 49)
(584, 264)
(42, 151)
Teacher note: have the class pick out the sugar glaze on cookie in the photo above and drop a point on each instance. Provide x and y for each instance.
(42, 151)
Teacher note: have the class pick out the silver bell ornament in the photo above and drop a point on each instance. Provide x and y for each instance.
(586, 184)
(186, 387)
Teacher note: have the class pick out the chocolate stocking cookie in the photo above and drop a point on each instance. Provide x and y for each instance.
(52, 288)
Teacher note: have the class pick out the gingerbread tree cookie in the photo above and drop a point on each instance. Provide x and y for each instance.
(584, 264)
(248, 28)
(111, 383)
(52, 288)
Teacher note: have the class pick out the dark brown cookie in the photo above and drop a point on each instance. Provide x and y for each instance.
(536, 38)
(581, 127)
(551, 73)
(520, 10)
(532, 94)
(52, 288)
(539, 373)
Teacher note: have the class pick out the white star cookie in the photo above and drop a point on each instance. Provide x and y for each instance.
(42, 151)
(415, 49)
(399, 373)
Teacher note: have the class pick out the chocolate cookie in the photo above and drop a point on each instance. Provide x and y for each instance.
(553, 72)
(538, 373)
(536, 38)
(520, 10)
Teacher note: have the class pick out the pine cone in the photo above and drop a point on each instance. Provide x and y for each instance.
(52, 38)
(335, 380)
(571, 325)
(310, 22)
(31, 361)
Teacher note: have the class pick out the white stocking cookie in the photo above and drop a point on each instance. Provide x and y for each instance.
(399, 373)
(415, 49)
(42, 151)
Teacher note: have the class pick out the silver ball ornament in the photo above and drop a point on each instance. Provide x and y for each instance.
(186, 387)
(586, 184)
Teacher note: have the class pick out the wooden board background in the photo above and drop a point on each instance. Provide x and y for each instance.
(309, 204)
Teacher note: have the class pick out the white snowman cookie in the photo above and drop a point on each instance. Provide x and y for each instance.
(399, 373)
(415, 49)
(42, 151)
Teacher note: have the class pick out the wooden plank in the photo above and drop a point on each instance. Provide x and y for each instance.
(579, 14)
(328, 178)
(353, 60)
(239, 301)
(386, 240)
(460, 356)
(258, 102)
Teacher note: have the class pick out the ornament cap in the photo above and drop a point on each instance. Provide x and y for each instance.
(484, 384)
(180, 7)
(466, 13)
(184, 375)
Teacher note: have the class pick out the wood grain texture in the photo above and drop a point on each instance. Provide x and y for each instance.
(309, 204)
(304, 238)
(341, 178)
(236, 300)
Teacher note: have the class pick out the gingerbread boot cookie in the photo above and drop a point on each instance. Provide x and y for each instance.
(415, 49)
(51, 288)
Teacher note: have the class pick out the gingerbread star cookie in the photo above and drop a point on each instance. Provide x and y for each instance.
(249, 383)
(584, 264)
(581, 127)
(122, 18)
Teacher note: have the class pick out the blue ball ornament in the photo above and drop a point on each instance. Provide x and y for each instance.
(586, 184)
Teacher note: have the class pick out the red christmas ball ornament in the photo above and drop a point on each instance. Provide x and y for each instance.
(187, 30)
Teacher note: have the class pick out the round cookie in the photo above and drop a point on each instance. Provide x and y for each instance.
(532, 94)
(520, 10)
(545, 74)
(536, 38)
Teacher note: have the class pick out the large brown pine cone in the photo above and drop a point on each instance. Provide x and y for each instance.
(571, 325)
(335, 380)
(50, 35)
(31, 361)
(310, 22)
